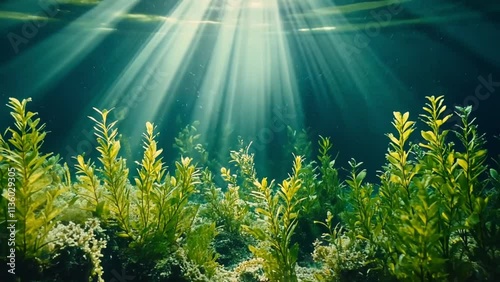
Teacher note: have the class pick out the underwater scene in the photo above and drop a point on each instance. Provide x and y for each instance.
(249, 140)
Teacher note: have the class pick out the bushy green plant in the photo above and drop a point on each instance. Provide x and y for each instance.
(89, 187)
(340, 254)
(359, 216)
(30, 183)
(331, 188)
(187, 142)
(199, 248)
(115, 203)
(245, 170)
(229, 208)
(150, 173)
(225, 208)
(276, 225)
(299, 142)
(433, 208)
(414, 238)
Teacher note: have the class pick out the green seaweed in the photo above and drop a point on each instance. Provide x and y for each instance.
(433, 215)
(278, 213)
(30, 185)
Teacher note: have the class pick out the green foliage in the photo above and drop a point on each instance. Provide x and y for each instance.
(116, 201)
(245, 164)
(174, 214)
(330, 188)
(187, 142)
(150, 173)
(434, 215)
(479, 203)
(30, 181)
(341, 254)
(360, 214)
(199, 248)
(299, 143)
(434, 210)
(225, 208)
(413, 243)
(277, 222)
(89, 187)
(156, 208)
(230, 209)
(323, 189)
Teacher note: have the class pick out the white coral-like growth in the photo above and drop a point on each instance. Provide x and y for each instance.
(73, 235)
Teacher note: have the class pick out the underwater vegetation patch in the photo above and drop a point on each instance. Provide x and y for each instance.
(432, 216)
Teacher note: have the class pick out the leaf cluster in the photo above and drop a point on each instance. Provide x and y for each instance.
(31, 192)
(278, 217)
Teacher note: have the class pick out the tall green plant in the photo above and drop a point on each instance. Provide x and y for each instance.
(150, 173)
(89, 187)
(360, 215)
(475, 195)
(30, 183)
(330, 188)
(278, 214)
(115, 204)
(245, 165)
(439, 163)
(227, 209)
(171, 199)
(413, 243)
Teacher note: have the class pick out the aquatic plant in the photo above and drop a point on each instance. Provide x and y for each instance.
(299, 142)
(187, 143)
(199, 248)
(322, 190)
(150, 173)
(276, 225)
(227, 209)
(341, 253)
(479, 200)
(30, 181)
(89, 187)
(245, 169)
(330, 190)
(434, 215)
(361, 212)
(114, 171)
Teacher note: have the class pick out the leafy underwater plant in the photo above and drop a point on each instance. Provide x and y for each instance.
(278, 214)
(433, 215)
(199, 248)
(187, 143)
(159, 199)
(413, 241)
(341, 254)
(227, 209)
(31, 185)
